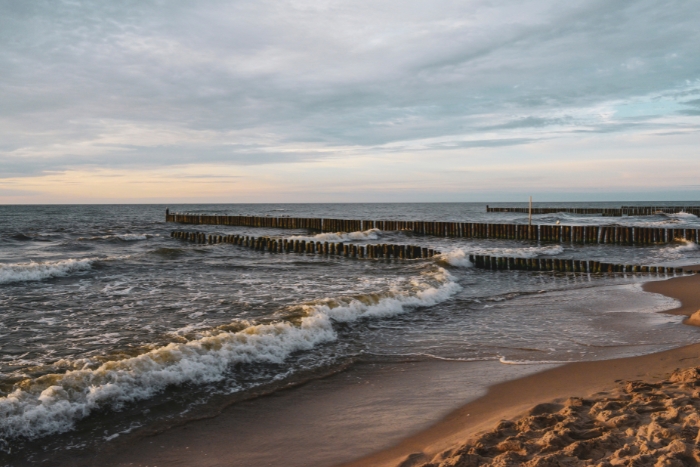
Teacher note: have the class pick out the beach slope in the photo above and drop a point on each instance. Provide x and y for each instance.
(576, 387)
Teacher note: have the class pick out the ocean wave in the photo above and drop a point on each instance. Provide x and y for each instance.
(681, 215)
(53, 403)
(686, 245)
(34, 271)
(676, 251)
(460, 257)
(665, 223)
(371, 234)
(666, 220)
(37, 271)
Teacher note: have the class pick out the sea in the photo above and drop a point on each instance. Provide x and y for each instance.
(109, 327)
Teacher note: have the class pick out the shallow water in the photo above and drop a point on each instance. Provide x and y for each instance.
(100, 310)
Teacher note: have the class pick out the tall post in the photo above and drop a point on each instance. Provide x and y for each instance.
(530, 211)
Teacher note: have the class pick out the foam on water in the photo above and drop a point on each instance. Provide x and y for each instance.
(505, 361)
(36, 271)
(682, 215)
(371, 234)
(686, 245)
(53, 403)
(678, 251)
(459, 257)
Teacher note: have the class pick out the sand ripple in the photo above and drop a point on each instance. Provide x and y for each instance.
(640, 424)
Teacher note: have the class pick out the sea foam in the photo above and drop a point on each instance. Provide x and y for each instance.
(36, 271)
(53, 403)
(459, 257)
(682, 215)
(686, 245)
(676, 251)
(371, 234)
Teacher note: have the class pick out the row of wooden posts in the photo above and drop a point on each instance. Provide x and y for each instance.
(279, 245)
(605, 212)
(602, 234)
(564, 265)
(649, 210)
(276, 245)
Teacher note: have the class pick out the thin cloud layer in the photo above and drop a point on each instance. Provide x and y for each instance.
(142, 85)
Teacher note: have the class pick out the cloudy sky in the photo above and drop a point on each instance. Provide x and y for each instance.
(304, 101)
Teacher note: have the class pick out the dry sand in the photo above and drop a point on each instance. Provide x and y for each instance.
(590, 413)
(653, 424)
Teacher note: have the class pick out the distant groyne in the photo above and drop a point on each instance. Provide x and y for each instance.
(605, 212)
(565, 265)
(598, 234)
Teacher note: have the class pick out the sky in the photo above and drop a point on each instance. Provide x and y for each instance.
(348, 101)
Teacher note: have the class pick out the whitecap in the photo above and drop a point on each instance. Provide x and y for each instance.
(686, 245)
(36, 271)
(682, 215)
(53, 403)
(459, 257)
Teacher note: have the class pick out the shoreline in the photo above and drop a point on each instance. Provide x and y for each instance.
(424, 399)
(510, 399)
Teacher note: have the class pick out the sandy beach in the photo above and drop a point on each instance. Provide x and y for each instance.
(400, 399)
(342, 234)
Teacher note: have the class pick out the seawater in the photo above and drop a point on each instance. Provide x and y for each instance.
(109, 326)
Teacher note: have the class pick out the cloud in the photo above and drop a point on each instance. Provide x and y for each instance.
(144, 84)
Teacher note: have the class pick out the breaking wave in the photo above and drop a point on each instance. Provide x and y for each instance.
(34, 271)
(53, 403)
(682, 215)
(371, 234)
(457, 257)
(676, 252)
(686, 245)
(460, 256)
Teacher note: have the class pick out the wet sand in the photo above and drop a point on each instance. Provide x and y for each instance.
(337, 418)
(511, 399)
(376, 408)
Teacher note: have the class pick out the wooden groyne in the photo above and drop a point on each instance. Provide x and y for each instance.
(279, 245)
(564, 265)
(650, 210)
(396, 251)
(611, 212)
(598, 234)
(605, 212)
